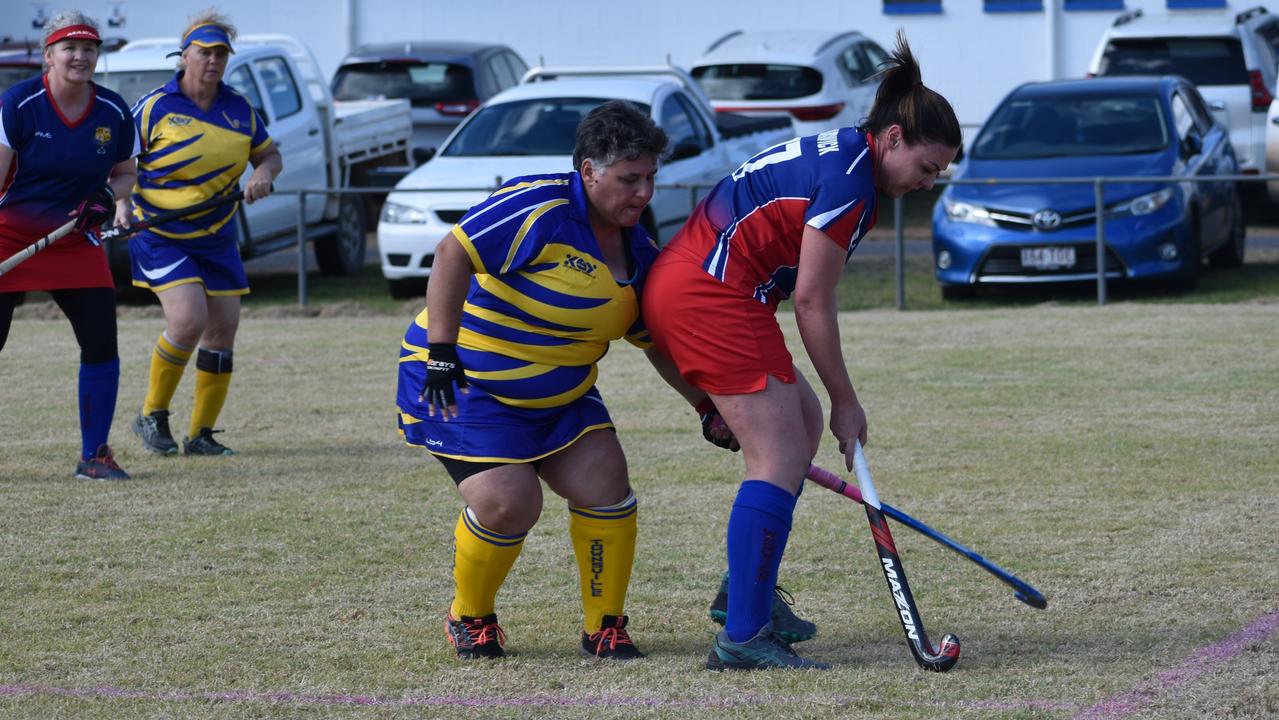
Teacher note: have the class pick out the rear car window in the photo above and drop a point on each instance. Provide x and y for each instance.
(1202, 61)
(757, 81)
(423, 83)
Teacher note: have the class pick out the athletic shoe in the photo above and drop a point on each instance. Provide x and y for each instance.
(611, 642)
(786, 624)
(153, 430)
(475, 637)
(762, 652)
(204, 444)
(101, 466)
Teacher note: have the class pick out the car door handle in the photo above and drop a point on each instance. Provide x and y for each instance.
(1217, 105)
(313, 132)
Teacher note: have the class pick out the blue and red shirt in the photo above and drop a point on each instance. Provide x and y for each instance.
(58, 162)
(748, 229)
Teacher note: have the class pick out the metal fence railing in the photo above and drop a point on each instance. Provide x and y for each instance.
(697, 190)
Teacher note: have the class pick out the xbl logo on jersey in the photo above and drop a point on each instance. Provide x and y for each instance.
(102, 136)
(579, 264)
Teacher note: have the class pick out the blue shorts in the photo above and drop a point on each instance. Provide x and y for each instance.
(488, 430)
(160, 263)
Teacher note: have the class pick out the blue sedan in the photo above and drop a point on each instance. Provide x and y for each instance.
(995, 234)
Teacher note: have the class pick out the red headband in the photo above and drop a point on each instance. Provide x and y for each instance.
(74, 32)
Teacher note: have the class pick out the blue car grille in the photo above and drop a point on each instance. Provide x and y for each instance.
(1020, 221)
(1006, 260)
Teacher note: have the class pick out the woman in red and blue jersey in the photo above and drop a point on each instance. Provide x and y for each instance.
(66, 150)
(783, 226)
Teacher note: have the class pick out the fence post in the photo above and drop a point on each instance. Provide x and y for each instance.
(302, 248)
(899, 230)
(1098, 186)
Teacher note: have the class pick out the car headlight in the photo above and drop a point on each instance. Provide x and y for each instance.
(1146, 204)
(397, 214)
(966, 213)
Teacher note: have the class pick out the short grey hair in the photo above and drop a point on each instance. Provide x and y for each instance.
(65, 19)
(617, 130)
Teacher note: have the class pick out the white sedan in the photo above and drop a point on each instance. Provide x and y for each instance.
(530, 130)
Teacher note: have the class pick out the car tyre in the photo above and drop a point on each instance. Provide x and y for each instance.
(958, 292)
(407, 288)
(343, 252)
(1231, 254)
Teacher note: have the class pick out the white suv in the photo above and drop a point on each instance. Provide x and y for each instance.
(1231, 58)
(821, 79)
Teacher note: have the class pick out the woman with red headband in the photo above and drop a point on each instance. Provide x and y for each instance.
(66, 150)
(197, 136)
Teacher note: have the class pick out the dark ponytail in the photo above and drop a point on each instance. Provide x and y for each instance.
(903, 99)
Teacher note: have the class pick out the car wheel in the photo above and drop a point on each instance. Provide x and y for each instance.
(1189, 279)
(343, 252)
(1230, 255)
(407, 288)
(958, 292)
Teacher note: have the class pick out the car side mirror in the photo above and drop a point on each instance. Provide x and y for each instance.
(1192, 145)
(423, 155)
(685, 150)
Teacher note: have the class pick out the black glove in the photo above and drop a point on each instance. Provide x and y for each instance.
(443, 369)
(97, 209)
(714, 429)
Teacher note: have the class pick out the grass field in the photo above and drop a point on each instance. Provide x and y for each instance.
(1121, 459)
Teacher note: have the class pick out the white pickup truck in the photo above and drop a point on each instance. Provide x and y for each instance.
(323, 143)
(530, 129)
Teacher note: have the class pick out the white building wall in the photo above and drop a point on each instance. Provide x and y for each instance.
(972, 57)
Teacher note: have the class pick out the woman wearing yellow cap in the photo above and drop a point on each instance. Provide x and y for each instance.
(197, 135)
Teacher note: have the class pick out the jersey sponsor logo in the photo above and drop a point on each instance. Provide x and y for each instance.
(235, 124)
(828, 142)
(43, 134)
(160, 272)
(179, 120)
(102, 136)
(580, 264)
(432, 442)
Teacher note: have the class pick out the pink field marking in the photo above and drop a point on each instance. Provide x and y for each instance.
(288, 698)
(1197, 665)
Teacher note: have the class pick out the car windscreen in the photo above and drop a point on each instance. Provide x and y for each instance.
(421, 83)
(754, 81)
(1202, 61)
(133, 84)
(1071, 127)
(542, 126)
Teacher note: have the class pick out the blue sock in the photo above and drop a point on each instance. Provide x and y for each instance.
(99, 384)
(757, 532)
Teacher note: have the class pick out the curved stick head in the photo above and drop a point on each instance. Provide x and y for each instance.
(1034, 600)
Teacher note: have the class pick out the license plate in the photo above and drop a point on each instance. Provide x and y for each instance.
(1048, 258)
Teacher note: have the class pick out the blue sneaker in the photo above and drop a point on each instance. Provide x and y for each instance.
(786, 624)
(762, 652)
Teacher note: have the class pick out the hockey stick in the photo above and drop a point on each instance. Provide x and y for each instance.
(940, 659)
(1022, 590)
(116, 233)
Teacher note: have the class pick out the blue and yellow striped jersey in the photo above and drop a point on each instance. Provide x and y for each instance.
(190, 155)
(542, 306)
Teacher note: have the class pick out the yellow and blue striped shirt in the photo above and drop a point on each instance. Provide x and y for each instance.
(542, 307)
(190, 155)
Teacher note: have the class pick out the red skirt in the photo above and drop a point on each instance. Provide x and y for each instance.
(71, 262)
(722, 341)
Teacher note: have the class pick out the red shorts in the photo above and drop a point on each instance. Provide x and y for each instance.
(722, 341)
(71, 262)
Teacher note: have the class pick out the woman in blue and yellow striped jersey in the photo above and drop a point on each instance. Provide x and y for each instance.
(525, 295)
(197, 136)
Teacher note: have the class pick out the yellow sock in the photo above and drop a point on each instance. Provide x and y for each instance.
(168, 361)
(604, 542)
(481, 561)
(212, 378)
